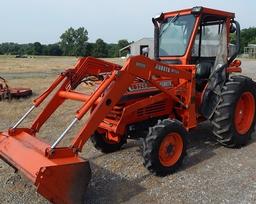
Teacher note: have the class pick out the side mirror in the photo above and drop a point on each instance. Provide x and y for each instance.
(232, 28)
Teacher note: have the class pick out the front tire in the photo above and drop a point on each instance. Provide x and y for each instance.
(234, 118)
(164, 147)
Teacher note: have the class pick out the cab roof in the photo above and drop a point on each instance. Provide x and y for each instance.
(201, 10)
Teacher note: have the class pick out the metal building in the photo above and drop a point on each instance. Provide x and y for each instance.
(250, 51)
(140, 47)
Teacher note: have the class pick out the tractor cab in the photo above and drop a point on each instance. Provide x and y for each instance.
(194, 35)
(198, 36)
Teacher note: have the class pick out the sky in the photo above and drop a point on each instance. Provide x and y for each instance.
(29, 21)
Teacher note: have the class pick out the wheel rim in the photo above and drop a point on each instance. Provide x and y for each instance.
(244, 112)
(170, 149)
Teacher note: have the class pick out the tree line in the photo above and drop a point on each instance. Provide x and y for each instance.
(248, 36)
(73, 42)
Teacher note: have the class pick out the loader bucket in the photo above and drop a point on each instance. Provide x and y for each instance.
(61, 179)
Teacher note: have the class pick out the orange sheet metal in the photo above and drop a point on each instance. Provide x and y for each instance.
(60, 180)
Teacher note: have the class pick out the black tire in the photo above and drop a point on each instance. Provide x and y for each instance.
(224, 126)
(101, 143)
(152, 144)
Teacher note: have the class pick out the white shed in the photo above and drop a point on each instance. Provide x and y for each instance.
(140, 47)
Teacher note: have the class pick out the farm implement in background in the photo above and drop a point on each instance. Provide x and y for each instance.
(8, 93)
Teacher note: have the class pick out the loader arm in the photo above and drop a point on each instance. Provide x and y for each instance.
(84, 67)
(118, 84)
(50, 165)
(113, 87)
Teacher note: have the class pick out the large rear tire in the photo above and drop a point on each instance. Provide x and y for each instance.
(164, 147)
(234, 118)
(102, 142)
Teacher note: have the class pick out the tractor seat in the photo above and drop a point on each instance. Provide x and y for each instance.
(203, 70)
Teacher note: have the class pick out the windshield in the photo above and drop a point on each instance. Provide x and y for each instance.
(175, 34)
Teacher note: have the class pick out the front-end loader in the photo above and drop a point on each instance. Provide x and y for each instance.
(192, 79)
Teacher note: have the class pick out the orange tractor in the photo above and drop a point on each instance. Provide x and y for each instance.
(191, 80)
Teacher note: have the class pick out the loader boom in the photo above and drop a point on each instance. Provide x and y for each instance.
(53, 159)
(116, 85)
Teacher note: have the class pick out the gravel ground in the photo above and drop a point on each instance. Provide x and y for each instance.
(210, 174)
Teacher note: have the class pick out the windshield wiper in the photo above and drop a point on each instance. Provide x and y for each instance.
(169, 23)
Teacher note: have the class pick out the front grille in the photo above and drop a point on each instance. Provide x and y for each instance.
(151, 109)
